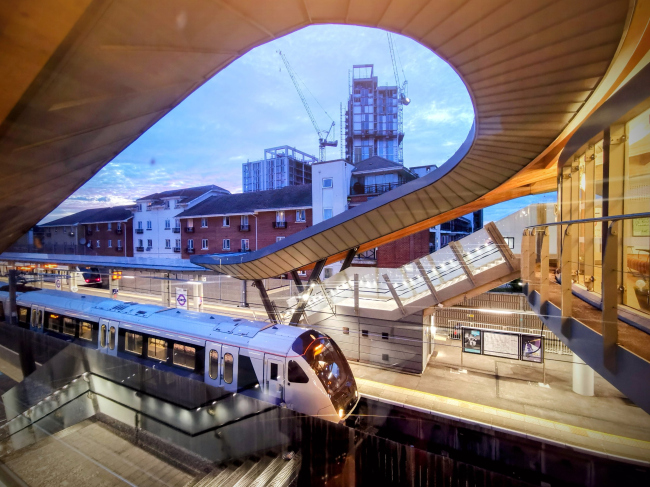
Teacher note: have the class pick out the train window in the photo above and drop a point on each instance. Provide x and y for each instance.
(39, 318)
(228, 362)
(22, 315)
(111, 338)
(69, 326)
(34, 317)
(133, 342)
(85, 330)
(157, 349)
(296, 374)
(184, 356)
(274, 371)
(102, 337)
(54, 322)
(214, 364)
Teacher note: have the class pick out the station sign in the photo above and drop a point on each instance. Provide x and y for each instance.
(181, 298)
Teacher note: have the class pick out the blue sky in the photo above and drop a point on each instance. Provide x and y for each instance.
(252, 105)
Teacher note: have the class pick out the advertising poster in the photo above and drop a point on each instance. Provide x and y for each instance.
(501, 344)
(532, 348)
(471, 341)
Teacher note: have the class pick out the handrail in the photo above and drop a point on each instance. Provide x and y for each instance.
(632, 216)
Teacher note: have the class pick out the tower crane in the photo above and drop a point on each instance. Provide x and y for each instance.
(323, 136)
(402, 88)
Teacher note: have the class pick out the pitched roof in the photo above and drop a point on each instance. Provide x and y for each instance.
(374, 163)
(240, 203)
(185, 194)
(93, 215)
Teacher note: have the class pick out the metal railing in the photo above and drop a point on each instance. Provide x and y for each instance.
(535, 269)
(360, 189)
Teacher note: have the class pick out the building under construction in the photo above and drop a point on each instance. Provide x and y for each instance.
(374, 118)
(281, 166)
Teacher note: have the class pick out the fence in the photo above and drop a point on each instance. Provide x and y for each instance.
(552, 344)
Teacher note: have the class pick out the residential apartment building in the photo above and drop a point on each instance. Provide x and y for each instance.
(96, 231)
(282, 166)
(374, 124)
(157, 231)
(244, 222)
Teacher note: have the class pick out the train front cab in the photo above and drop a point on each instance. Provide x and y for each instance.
(320, 378)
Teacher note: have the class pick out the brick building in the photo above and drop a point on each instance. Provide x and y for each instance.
(96, 231)
(244, 222)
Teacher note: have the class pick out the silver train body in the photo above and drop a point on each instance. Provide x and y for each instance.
(299, 368)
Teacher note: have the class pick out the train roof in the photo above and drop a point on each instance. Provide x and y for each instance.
(180, 324)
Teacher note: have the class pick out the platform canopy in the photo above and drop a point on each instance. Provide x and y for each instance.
(82, 79)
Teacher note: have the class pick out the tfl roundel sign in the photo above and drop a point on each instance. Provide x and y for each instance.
(181, 298)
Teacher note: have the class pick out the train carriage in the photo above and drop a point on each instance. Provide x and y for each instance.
(285, 365)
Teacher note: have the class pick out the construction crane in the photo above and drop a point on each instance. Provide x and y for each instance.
(402, 88)
(323, 135)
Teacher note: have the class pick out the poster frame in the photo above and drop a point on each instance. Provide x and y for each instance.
(502, 332)
(521, 346)
(480, 351)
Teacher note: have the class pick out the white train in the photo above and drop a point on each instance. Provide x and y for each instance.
(300, 368)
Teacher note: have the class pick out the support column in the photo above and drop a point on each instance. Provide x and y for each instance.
(356, 294)
(297, 281)
(610, 296)
(427, 281)
(266, 301)
(394, 294)
(544, 270)
(348, 258)
(532, 260)
(457, 249)
(501, 244)
(575, 215)
(303, 299)
(524, 264)
(567, 282)
(165, 290)
(589, 212)
(583, 377)
(113, 284)
(243, 301)
(13, 310)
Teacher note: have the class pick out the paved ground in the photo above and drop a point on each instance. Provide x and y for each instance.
(90, 454)
(518, 399)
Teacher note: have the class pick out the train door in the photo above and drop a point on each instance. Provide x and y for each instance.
(229, 366)
(36, 321)
(274, 376)
(213, 364)
(107, 336)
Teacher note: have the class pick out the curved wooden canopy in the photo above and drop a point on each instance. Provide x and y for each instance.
(83, 79)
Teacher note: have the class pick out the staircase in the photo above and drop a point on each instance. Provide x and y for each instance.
(270, 470)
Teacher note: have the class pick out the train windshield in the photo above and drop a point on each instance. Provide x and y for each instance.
(327, 361)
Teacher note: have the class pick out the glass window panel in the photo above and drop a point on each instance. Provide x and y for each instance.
(184, 356)
(102, 336)
(133, 342)
(54, 322)
(157, 349)
(111, 338)
(85, 330)
(69, 326)
(214, 364)
(228, 365)
(296, 374)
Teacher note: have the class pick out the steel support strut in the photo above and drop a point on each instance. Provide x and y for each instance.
(303, 298)
(266, 301)
(348, 258)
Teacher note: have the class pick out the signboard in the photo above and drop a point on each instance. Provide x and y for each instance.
(501, 344)
(181, 298)
(471, 341)
(57, 284)
(532, 348)
(115, 291)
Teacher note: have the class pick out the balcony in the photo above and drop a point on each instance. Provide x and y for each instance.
(360, 189)
(139, 249)
(245, 250)
(176, 229)
(189, 229)
(189, 250)
(118, 231)
(139, 230)
(89, 231)
(244, 228)
(177, 249)
(279, 224)
(119, 249)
